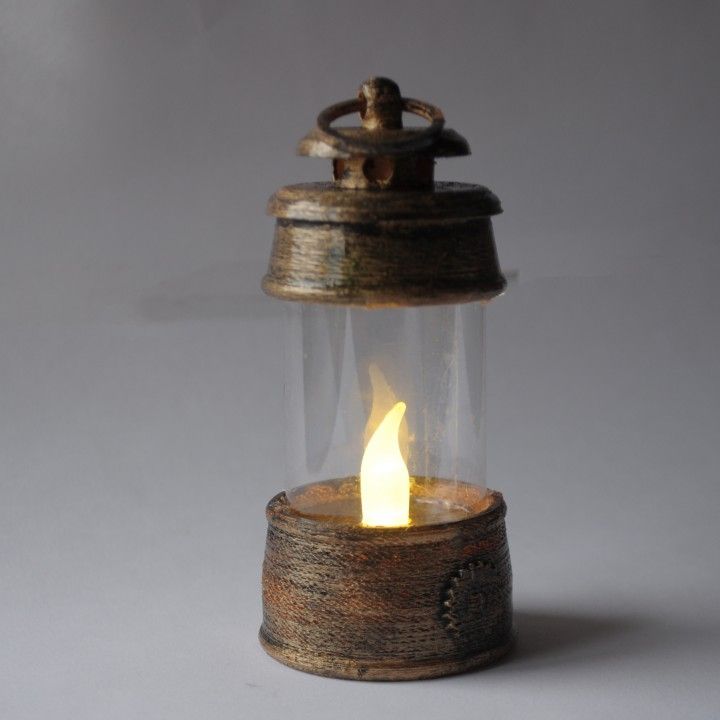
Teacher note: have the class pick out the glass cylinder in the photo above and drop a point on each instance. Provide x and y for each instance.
(385, 413)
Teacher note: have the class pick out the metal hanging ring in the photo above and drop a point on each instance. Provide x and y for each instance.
(416, 142)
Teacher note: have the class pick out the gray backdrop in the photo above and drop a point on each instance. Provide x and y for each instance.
(140, 371)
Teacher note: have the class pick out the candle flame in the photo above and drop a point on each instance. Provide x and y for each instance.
(384, 477)
(383, 399)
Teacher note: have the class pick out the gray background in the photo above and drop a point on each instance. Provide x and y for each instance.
(140, 371)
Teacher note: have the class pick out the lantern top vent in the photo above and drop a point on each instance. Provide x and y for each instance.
(383, 232)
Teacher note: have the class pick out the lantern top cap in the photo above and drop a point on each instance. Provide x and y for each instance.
(380, 106)
(383, 232)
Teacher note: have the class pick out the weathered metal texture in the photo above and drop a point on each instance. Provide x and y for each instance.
(390, 142)
(383, 249)
(380, 107)
(384, 233)
(347, 601)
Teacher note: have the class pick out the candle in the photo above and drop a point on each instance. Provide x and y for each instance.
(384, 477)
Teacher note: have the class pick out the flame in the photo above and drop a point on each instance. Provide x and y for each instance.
(383, 399)
(384, 477)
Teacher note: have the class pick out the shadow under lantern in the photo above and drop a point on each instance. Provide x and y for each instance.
(386, 558)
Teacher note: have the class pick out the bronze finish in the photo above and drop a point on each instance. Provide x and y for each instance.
(383, 233)
(347, 601)
(340, 599)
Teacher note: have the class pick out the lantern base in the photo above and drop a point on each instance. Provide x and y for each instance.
(354, 602)
(350, 669)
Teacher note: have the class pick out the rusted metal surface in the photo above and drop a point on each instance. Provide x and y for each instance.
(380, 107)
(318, 262)
(347, 601)
(321, 202)
(448, 143)
(384, 233)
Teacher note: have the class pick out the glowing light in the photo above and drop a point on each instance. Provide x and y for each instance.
(384, 477)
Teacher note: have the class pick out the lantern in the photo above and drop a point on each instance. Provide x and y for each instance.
(386, 555)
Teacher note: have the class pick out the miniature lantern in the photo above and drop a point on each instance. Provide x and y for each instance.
(386, 557)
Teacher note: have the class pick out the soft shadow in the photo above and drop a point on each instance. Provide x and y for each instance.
(573, 641)
(552, 638)
(173, 308)
(218, 292)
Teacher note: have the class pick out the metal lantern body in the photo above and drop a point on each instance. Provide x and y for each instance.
(386, 557)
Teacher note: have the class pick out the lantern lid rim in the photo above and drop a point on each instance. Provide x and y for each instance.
(387, 297)
(325, 202)
(388, 142)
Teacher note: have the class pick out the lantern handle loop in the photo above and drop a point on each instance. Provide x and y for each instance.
(417, 142)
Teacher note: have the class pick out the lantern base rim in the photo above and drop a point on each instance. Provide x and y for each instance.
(332, 666)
